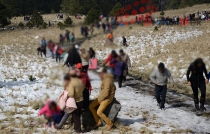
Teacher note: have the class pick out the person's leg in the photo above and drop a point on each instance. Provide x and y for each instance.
(157, 94)
(120, 81)
(76, 117)
(45, 52)
(163, 96)
(202, 87)
(63, 121)
(86, 99)
(59, 57)
(194, 87)
(102, 107)
(56, 57)
(92, 107)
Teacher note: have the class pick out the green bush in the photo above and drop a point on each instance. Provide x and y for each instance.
(68, 21)
(21, 25)
(155, 28)
(162, 13)
(44, 25)
(31, 78)
(29, 24)
(61, 25)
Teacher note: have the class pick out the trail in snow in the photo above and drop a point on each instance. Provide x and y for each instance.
(135, 105)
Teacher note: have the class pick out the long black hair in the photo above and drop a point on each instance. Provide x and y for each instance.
(196, 62)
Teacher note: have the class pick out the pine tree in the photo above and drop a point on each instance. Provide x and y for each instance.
(93, 15)
(5, 15)
(116, 9)
(65, 5)
(68, 21)
(36, 19)
(75, 7)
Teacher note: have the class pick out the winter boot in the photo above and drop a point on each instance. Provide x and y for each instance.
(196, 101)
(202, 102)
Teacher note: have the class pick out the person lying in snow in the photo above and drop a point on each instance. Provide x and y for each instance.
(48, 110)
(65, 103)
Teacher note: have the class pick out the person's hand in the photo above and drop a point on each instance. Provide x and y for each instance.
(189, 83)
(157, 83)
(207, 81)
(172, 86)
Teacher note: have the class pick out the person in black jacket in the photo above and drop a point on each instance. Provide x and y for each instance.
(196, 80)
(73, 58)
(124, 41)
(91, 53)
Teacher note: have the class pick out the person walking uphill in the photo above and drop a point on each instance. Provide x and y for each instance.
(127, 61)
(111, 57)
(160, 78)
(196, 80)
(105, 97)
(75, 90)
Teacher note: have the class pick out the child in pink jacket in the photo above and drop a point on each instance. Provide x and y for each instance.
(48, 110)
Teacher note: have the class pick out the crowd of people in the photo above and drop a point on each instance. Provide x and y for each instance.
(75, 97)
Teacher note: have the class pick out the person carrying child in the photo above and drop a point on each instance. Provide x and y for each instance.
(48, 110)
(65, 103)
(83, 76)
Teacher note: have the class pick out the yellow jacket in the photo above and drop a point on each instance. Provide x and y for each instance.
(75, 89)
(107, 88)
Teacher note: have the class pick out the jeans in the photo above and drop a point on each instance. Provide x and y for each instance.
(63, 121)
(120, 79)
(99, 113)
(112, 72)
(58, 57)
(86, 98)
(52, 54)
(202, 86)
(76, 117)
(85, 68)
(161, 91)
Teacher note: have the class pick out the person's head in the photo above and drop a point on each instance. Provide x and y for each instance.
(114, 54)
(52, 105)
(161, 67)
(90, 49)
(198, 63)
(118, 59)
(43, 38)
(72, 74)
(78, 69)
(102, 71)
(66, 78)
(123, 37)
(121, 52)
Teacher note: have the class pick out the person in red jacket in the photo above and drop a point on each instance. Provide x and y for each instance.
(83, 76)
(110, 58)
(51, 46)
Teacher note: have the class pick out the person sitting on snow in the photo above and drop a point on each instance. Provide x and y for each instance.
(105, 97)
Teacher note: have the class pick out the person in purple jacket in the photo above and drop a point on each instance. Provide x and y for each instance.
(119, 69)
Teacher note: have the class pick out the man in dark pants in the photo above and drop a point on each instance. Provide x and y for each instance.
(160, 78)
(75, 90)
(196, 80)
